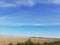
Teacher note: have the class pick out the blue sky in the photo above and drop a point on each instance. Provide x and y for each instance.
(27, 18)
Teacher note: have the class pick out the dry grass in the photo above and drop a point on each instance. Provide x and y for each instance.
(6, 40)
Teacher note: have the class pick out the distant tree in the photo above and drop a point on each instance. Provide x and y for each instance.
(45, 43)
(29, 42)
(19, 43)
(22, 43)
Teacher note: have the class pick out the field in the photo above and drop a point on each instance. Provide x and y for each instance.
(14, 40)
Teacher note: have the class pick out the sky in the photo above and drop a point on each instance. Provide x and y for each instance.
(30, 18)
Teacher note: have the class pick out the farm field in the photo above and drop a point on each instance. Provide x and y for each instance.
(14, 40)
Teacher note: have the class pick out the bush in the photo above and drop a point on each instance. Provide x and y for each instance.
(10, 44)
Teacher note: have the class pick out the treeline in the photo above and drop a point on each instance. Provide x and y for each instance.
(29, 42)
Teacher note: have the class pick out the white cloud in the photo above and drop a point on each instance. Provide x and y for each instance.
(56, 1)
(17, 3)
(6, 4)
(26, 2)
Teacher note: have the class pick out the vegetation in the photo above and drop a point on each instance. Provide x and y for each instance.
(29, 42)
(10, 44)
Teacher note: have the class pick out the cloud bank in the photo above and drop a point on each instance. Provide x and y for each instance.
(30, 3)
